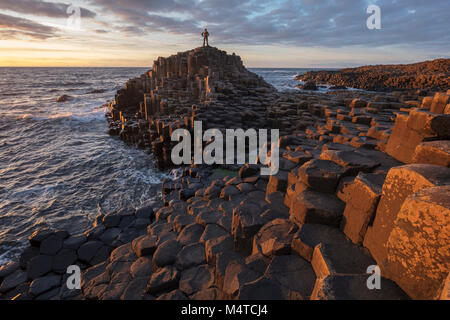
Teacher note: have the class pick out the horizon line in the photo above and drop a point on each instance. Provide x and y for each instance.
(100, 67)
(248, 67)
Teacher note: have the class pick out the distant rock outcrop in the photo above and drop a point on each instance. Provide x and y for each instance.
(430, 75)
(63, 98)
(310, 85)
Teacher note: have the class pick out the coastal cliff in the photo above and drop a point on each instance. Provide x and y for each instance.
(429, 75)
(364, 180)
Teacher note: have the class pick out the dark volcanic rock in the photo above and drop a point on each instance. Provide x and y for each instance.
(317, 208)
(213, 247)
(63, 98)
(173, 295)
(39, 235)
(142, 267)
(190, 234)
(262, 289)
(8, 268)
(27, 255)
(274, 238)
(164, 280)
(13, 280)
(310, 85)
(246, 223)
(207, 294)
(196, 279)
(354, 287)
(293, 273)
(212, 231)
(135, 289)
(51, 245)
(74, 242)
(63, 259)
(166, 253)
(145, 245)
(190, 256)
(236, 276)
(422, 75)
(88, 250)
(44, 284)
(321, 175)
(39, 266)
(352, 162)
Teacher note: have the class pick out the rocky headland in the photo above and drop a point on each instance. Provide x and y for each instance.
(425, 76)
(364, 180)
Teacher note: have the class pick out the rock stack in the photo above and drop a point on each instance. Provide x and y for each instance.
(364, 181)
(203, 84)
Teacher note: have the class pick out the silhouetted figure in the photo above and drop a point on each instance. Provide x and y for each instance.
(205, 35)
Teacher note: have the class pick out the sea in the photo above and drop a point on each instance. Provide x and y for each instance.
(57, 161)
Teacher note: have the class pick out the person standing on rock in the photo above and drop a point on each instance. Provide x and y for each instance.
(205, 35)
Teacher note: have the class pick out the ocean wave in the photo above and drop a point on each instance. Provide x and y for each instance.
(8, 252)
(96, 91)
(10, 94)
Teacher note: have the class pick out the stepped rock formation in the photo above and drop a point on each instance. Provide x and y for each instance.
(204, 84)
(364, 180)
(422, 129)
(428, 75)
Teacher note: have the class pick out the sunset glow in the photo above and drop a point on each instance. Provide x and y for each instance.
(266, 34)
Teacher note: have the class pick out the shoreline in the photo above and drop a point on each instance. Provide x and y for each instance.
(227, 232)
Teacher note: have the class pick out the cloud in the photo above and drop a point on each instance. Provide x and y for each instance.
(295, 23)
(289, 22)
(14, 27)
(42, 8)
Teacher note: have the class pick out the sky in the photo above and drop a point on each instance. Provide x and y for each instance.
(276, 33)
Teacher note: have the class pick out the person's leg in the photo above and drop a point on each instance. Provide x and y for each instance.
(204, 41)
(207, 43)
